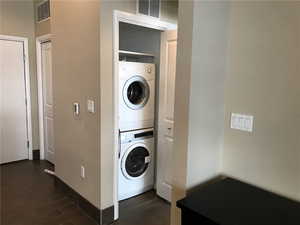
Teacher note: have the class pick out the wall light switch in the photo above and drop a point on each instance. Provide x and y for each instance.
(82, 172)
(91, 106)
(76, 108)
(242, 122)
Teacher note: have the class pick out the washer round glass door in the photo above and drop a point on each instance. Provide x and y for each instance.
(135, 162)
(136, 92)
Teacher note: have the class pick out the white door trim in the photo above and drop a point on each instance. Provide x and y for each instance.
(39, 41)
(27, 87)
(140, 20)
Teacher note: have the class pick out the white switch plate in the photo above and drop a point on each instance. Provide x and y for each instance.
(82, 172)
(91, 106)
(242, 122)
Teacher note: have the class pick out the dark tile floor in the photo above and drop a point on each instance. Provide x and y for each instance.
(29, 197)
(146, 209)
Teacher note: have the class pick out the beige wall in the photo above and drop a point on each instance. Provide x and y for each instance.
(43, 28)
(206, 101)
(264, 81)
(18, 20)
(199, 104)
(106, 56)
(256, 46)
(107, 117)
(76, 78)
(181, 108)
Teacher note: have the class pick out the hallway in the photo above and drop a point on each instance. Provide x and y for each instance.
(29, 197)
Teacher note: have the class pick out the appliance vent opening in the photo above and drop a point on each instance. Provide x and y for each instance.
(43, 11)
(149, 7)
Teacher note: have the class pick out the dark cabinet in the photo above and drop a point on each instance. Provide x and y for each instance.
(191, 218)
(232, 202)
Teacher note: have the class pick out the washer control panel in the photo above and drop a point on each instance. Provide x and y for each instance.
(130, 136)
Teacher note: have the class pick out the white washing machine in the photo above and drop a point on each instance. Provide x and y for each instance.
(136, 163)
(136, 95)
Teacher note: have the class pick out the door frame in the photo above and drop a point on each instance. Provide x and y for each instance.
(139, 20)
(39, 41)
(27, 88)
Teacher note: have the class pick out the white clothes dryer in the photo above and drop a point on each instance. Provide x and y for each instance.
(136, 95)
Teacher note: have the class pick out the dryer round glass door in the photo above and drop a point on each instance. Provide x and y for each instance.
(136, 92)
(135, 162)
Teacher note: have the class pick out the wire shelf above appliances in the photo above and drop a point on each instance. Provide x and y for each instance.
(136, 57)
(136, 54)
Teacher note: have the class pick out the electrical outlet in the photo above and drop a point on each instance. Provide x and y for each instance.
(82, 172)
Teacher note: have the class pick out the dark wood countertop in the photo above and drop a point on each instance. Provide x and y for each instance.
(232, 202)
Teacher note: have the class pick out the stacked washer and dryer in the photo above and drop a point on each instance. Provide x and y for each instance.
(136, 124)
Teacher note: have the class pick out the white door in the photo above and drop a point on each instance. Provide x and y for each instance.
(13, 114)
(48, 101)
(166, 114)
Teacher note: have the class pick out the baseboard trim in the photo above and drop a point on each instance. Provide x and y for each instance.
(36, 154)
(102, 217)
(84, 204)
(50, 163)
(107, 216)
(13, 162)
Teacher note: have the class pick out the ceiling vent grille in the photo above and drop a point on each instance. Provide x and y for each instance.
(149, 7)
(43, 11)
